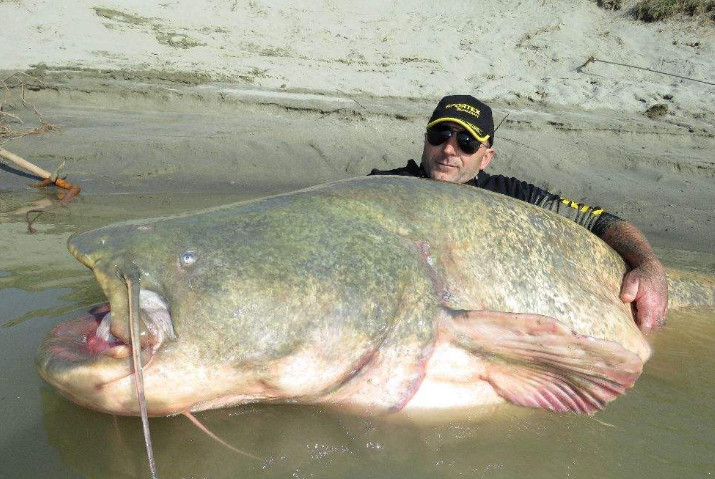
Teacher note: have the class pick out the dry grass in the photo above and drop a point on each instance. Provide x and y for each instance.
(610, 4)
(654, 10)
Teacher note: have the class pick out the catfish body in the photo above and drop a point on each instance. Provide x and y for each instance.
(374, 295)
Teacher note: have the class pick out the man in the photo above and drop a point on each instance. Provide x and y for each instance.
(458, 147)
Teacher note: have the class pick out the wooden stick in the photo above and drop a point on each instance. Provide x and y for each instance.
(24, 164)
(73, 190)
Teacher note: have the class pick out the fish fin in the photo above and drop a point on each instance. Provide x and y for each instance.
(535, 361)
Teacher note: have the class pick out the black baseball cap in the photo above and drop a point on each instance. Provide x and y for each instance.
(467, 111)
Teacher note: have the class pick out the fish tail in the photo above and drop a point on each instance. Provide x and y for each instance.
(690, 289)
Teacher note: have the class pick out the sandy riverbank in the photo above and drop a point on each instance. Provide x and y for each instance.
(271, 97)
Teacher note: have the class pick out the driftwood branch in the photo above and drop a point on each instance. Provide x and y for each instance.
(17, 81)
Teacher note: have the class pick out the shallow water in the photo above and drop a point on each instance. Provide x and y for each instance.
(664, 426)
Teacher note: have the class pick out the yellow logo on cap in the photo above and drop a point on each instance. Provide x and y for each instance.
(465, 108)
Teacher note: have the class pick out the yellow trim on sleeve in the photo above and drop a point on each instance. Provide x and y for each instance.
(582, 208)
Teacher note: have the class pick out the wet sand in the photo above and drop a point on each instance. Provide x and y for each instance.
(132, 138)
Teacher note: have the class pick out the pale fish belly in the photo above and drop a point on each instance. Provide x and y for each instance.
(454, 379)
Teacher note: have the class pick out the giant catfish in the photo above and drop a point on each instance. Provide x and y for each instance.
(372, 295)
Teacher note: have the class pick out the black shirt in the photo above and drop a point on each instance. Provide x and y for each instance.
(594, 218)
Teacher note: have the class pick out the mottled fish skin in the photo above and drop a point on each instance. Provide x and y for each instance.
(309, 295)
(687, 289)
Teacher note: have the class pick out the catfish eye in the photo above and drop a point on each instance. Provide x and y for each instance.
(187, 258)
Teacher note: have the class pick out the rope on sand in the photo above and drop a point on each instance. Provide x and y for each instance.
(592, 59)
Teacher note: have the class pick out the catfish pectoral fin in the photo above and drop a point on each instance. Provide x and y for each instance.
(537, 362)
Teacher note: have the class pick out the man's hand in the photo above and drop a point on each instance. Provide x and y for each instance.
(647, 286)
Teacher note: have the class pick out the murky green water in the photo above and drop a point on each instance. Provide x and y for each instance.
(664, 427)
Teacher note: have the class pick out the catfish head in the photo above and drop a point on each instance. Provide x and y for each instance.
(190, 304)
(234, 308)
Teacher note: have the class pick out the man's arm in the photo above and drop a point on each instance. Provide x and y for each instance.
(645, 284)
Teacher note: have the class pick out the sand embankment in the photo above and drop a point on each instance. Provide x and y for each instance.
(270, 96)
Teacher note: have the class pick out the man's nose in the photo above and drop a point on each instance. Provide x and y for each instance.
(450, 146)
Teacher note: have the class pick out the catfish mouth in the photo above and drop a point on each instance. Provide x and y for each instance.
(83, 354)
(93, 360)
(91, 335)
(107, 328)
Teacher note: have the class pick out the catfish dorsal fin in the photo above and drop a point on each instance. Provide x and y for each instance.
(535, 361)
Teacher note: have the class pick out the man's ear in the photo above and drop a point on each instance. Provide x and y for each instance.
(487, 158)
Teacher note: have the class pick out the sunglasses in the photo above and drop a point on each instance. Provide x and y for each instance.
(438, 134)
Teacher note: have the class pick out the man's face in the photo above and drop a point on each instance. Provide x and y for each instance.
(447, 161)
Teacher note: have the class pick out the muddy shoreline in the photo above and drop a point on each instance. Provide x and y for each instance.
(125, 136)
